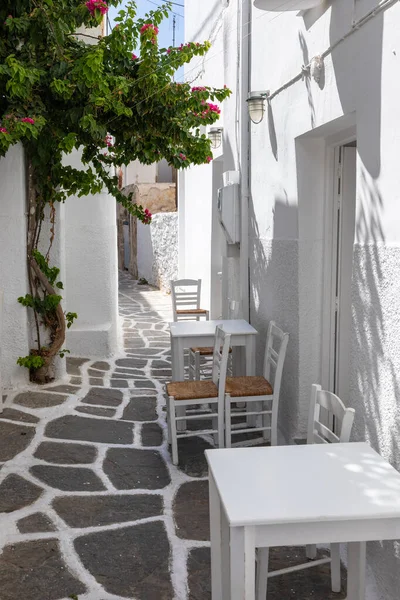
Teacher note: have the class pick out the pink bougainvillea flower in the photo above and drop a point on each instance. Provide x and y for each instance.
(182, 156)
(209, 159)
(149, 26)
(134, 57)
(93, 5)
(199, 89)
(28, 120)
(147, 216)
(3, 130)
(169, 51)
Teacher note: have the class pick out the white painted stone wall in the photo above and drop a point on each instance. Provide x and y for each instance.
(289, 181)
(14, 336)
(91, 273)
(158, 250)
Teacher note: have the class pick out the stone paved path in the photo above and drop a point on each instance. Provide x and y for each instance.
(90, 505)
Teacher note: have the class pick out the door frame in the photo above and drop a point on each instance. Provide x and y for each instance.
(330, 255)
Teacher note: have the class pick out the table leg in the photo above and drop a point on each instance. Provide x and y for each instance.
(243, 564)
(215, 538)
(356, 571)
(178, 374)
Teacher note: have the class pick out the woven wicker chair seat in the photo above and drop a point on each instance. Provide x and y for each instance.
(191, 311)
(192, 390)
(248, 386)
(206, 350)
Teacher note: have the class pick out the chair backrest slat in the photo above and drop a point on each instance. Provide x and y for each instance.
(220, 359)
(329, 421)
(275, 358)
(185, 294)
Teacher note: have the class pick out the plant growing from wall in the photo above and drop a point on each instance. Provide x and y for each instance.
(64, 88)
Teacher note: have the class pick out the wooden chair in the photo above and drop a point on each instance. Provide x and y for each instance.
(196, 355)
(186, 300)
(329, 422)
(205, 392)
(262, 391)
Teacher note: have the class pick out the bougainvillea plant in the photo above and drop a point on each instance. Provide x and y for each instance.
(64, 88)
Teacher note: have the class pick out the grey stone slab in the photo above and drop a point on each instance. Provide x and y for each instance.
(36, 523)
(76, 381)
(16, 492)
(140, 352)
(14, 438)
(136, 563)
(191, 512)
(191, 456)
(161, 364)
(99, 510)
(68, 478)
(95, 381)
(131, 363)
(144, 384)
(141, 408)
(103, 397)
(152, 434)
(39, 399)
(143, 325)
(66, 454)
(119, 383)
(94, 373)
(132, 468)
(36, 571)
(134, 372)
(101, 365)
(16, 415)
(74, 365)
(199, 574)
(64, 389)
(126, 377)
(72, 427)
(96, 410)
(156, 373)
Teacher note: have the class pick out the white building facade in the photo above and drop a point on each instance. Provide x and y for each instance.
(320, 215)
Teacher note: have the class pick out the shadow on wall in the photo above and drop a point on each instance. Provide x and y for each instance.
(274, 293)
(375, 368)
(360, 86)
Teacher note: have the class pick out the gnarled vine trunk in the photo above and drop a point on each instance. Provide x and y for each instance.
(40, 286)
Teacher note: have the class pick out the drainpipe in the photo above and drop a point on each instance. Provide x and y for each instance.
(244, 122)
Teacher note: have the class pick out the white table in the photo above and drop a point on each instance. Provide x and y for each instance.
(186, 334)
(291, 495)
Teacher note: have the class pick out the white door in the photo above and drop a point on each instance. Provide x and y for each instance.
(342, 262)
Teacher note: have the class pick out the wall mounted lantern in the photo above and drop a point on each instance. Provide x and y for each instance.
(256, 105)
(278, 5)
(215, 136)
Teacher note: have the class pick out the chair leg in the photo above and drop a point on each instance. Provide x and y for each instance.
(262, 573)
(221, 432)
(197, 365)
(174, 439)
(265, 421)
(228, 423)
(168, 425)
(274, 422)
(192, 366)
(215, 426)
(336, 581)
(311, 551)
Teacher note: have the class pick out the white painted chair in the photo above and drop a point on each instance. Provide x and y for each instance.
(261, 392)
(197, 354)
(186, 295)
(329, 422)
(182, 394)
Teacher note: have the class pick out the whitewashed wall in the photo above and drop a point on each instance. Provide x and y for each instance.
(91, 273)
(14, 336)
(289, 178)
(158, 250)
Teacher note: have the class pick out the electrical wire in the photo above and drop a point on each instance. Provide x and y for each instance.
(172, 11)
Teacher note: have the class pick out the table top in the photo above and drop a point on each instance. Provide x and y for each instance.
(207, 328)
(304, 484)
